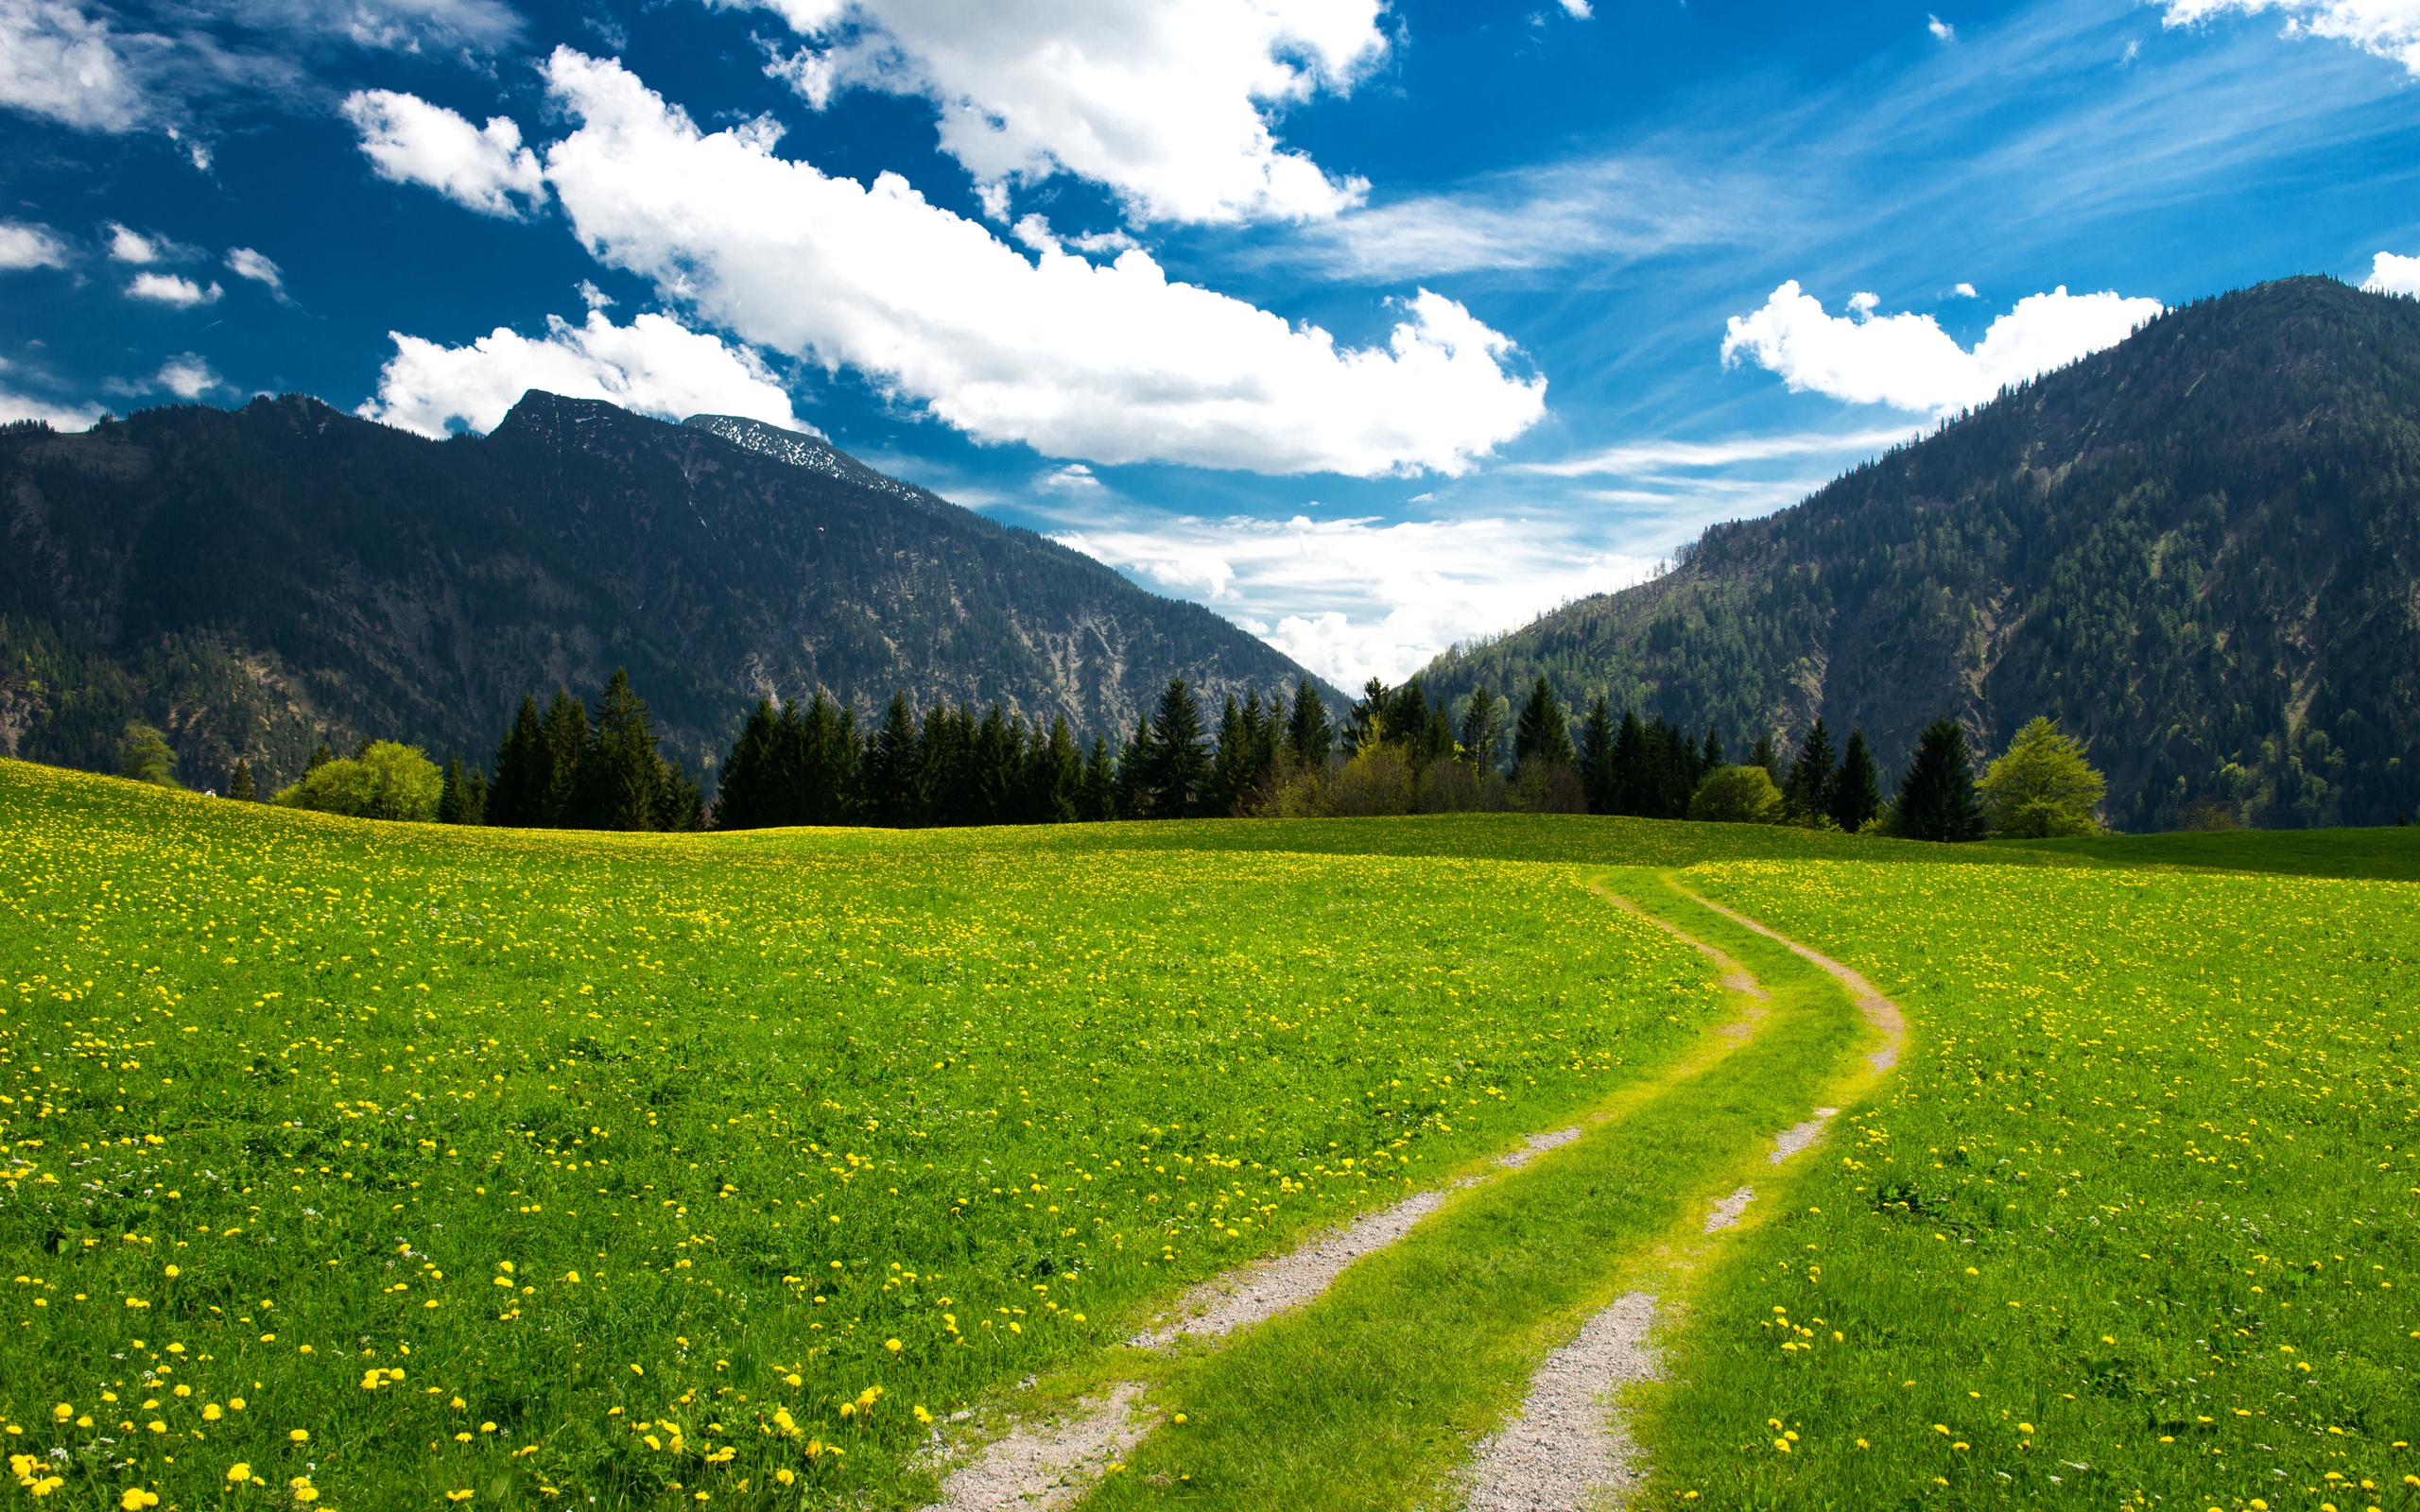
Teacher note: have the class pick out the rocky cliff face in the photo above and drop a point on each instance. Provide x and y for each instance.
(2200, 550)
(251, 580)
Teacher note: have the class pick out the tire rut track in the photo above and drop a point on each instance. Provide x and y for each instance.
(1568, 1447)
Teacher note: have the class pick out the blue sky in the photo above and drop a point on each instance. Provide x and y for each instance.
(1373, 326)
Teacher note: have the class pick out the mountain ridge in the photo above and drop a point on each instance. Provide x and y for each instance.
(2198, 549)
(254, 579)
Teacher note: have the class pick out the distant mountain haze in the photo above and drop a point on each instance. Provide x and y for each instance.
(2198, 550)
(251, 580)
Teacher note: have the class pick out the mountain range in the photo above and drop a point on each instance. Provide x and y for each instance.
(255, 580)
(2198, 550)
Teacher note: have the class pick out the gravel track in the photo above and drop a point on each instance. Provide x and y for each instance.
(1568, 1448)
(1565, 1451)
(1049, 1464)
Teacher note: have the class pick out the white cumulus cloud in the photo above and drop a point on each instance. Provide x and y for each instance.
(1168, 104)
(59, 63)
(23, 245)
(172, 288)
(1907, 361)
(127, 244)
(2392, 274)
(2389, 28)
(654, 364)
(408, 139)
(1110, 363)
(187, 376)
(1941, 30)
(245, 263)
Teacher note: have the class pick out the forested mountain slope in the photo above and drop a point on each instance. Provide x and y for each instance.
(2198, 549)
(251, 580)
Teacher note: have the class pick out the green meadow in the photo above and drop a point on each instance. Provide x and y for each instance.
(376, 1165)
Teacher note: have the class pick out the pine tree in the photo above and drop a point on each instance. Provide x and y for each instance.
(1054, 784)
(564, 747)
(1098, 800)
(1365, 723)
(741, 795)
(997, 763)
(519, 797)
(239, 782)
(1597, 775)
(824, 764)
(891, 765)
(1937, 795)
(452, 799)
(1711, 756)
(1809, 789)
(1542, 733)
(321, 756)
(1629, 784)
(1307, 734)
(1230, 762)
(475, 796)
(1481, 735)
(621, 771)
(1174, 767)
(1767, 756)
(1857, 792)
(1134, 797)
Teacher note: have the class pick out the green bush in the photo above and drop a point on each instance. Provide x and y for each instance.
(2043, 788)
(1736, 795)
(385, 782)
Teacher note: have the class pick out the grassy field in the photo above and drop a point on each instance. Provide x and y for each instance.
(2132, 1226)
(367, 1166)
(402, 1163)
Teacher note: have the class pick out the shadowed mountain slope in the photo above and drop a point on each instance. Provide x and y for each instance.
(250, 580)
(2199, 550)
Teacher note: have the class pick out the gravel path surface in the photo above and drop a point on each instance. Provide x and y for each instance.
(1726, 1213)
(1051, 1463)
(1879, 1011)
(1568, 1448)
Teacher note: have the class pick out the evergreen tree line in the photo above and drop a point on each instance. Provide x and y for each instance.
(812, 764)
(570, 768)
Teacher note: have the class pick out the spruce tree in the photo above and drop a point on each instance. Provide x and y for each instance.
(239, 782)
(321, 756)
(1937, 795)
(1711, 756)
(1098, 800)
(1543, 732)
(1481, 735)
(1134, 795)
(1055, 777)
(824, 777)
(1365, 723)
(1767, 756)
(564, 748)
(1811, 776)
(1174, 767)
(1630, 785)
(519, 797)
(997, 763)
(1308, 734)
(1230, 762)
(452, 797)
(1857, 792)
(891, 765)
(1597, 776)
(740, 796)
(620, 772)
(474, 796)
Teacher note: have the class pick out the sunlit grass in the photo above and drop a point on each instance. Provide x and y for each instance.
(510, 1167)
(2134, 1224)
